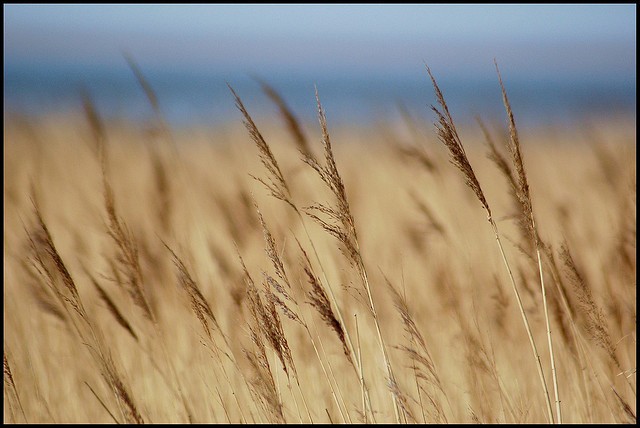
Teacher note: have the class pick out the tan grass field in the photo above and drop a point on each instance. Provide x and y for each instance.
(149, 277)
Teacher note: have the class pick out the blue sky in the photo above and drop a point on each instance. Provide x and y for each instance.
(413, 20)
(551, 39)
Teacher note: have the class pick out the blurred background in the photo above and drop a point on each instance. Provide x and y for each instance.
(560, 63)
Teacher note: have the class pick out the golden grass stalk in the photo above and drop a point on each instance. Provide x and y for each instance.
(120, 318)
(127, 262)
(524, 196)
(421, 361)
(96, 124)
(8, 379)
(626, 408)
(144, 84)
(276, 183)
(596, 320)
(264, 312)
(121, 391)
(274, 300)
(403, 401)
(290, 120)
(342, 226)
(159, 128)
(564, 313)
(48, 263)
(563, 307)
(415, 151)
(523, 223)
(112, 307)
(448, 135)
(46, 255)
(102, 403)
(279, 189)
(163, 188)
(199, 304)
(341, 223)
(45, 296)
(502, 163)
(202, 310)
(274, 256)
(264, 387)
(319, 300)
(362, 390)
(433, 222)
(127, 257)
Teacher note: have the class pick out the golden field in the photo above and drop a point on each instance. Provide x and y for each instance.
(150, 276)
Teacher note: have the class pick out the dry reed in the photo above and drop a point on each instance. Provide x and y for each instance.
(448, 135)
(143, 333)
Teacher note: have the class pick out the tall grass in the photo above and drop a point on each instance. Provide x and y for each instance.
(267, 278)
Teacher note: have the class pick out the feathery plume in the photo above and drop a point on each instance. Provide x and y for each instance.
(292, 123)
(448, 135)
(276, 183)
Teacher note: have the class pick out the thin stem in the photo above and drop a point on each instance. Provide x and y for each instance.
(304, 401)
(525, 321)
(364, 408)
(365, 280)
(335, 398)
(334, 378)
(172, 369)
(338, 313)
(326, 375)
(546, 316)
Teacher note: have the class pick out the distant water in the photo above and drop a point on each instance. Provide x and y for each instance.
(202, 97)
